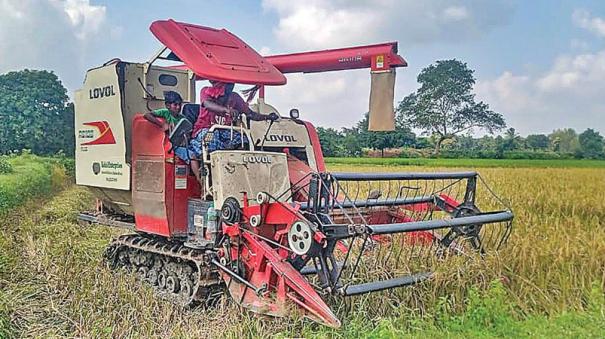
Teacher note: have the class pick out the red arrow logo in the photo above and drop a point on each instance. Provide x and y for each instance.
(105, 135)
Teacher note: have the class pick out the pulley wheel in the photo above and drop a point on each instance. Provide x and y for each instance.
(231, 211)
(300, 238)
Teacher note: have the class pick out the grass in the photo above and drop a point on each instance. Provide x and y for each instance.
(502, 163)
(488, 314)
(52, 282)
(29, 176)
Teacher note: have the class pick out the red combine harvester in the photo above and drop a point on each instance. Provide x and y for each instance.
(270, 225)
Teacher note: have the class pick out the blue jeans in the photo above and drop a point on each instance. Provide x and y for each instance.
(221, 139)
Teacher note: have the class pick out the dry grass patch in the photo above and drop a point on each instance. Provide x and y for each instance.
(52, 281)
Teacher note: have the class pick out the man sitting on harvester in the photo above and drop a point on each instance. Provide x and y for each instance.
(219, 105)
(171, 114)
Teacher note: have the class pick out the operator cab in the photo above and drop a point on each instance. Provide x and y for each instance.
(287, 136)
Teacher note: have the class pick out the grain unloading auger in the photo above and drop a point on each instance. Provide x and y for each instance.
(270, 225)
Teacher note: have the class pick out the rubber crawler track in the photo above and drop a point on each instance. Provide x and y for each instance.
(182, 274)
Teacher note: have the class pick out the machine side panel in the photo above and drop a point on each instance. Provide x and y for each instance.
(234, 172)
(284, 133)
(161, 185)
(184, 185)
(149, 178)
(100, 134)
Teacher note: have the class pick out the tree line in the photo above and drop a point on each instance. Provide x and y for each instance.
(36, 114)
(563, 143)
(444, 109)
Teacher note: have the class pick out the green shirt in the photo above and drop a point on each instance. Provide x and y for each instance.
(165, 113)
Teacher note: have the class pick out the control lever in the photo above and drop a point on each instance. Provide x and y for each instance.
(265, 136)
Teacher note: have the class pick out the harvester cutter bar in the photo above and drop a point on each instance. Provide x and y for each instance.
(378, 202)
(385, 284)
(106, 220)
(483, 218)
(346, 176)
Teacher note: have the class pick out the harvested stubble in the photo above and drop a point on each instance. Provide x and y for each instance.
(52, 281)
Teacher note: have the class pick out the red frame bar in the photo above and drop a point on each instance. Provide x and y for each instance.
(340, 59)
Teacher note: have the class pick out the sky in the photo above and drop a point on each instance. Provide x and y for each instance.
(541, 64)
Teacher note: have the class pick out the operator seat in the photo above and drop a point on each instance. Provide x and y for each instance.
(191, 112)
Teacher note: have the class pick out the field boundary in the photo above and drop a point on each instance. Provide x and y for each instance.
(30, 177)
(505, 163)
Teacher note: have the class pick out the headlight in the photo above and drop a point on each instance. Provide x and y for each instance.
(294, 114)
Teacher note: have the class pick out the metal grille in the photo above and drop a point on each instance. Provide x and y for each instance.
(398, 228)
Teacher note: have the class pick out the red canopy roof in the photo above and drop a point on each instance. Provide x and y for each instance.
(216, 54)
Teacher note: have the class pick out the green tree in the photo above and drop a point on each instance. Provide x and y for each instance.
(512, 140)
(537, 141)
(35, 113)
(591, 144)
(564, 140)
(351, 142)
(330, 140)
(444, 104)
(422, 142)
(501, 146)
(400, 137)
(464, 145)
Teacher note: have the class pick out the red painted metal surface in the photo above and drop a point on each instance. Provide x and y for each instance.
(216, 54)
(152, 225)
(166, 212)
(267, 267)
(377, 57)
(314, 137)
(148, 145)
(179, 220)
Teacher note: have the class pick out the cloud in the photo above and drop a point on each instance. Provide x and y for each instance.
(579, 45)
(50, 34)
(456, 13)
(265, 50)
(86, 18)
(569, 94)
(328, 23)
(583, 19)
(339, 99)
(332, 99)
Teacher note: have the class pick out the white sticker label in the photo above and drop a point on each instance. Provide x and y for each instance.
(198, 220)
(180, 183)
(380, 61)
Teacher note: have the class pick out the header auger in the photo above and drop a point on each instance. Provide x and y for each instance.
(270, 226)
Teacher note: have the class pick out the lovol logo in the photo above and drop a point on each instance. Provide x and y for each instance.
(256, 159)
(105, 135)
(101, 92)
(280, 137)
